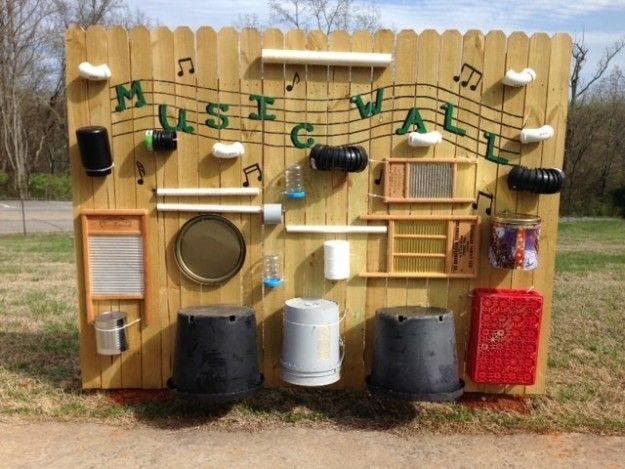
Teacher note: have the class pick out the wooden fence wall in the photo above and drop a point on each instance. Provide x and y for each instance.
(228, 69)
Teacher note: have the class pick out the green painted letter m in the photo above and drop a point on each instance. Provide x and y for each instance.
(123, 94)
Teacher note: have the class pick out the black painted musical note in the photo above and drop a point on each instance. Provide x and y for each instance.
(250, 169)
(488, 196)
(295, 82)
(141, 170)
(191, 67)
(473, 71)
(378, 180)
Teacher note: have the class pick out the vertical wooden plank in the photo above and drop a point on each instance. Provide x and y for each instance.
(490, 121)
(252, 131)
(427, 102)
(513, 104)
(534, 116)
(449, 65)
(294, 113)
(207, 92)
(405, 73)
(381, 128)
(78, 116)
(103, 187)
(143, 118)
(166, 176)
(358, 198)
(185, 90)
(231, 169)
(273, 156)
(469, 110)
(122, 146)
(548, 205)
(320, 181)
(336, 198)
(531, 155)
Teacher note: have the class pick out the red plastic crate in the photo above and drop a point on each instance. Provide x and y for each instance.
(505, 333)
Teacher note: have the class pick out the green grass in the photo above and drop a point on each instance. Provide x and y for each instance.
(39, 366)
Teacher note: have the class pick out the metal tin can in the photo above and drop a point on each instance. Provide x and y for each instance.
(514, 241)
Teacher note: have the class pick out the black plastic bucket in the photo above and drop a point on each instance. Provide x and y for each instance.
(414, 356)
(216, 357)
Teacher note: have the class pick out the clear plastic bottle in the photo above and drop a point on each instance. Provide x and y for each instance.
(294, 182)
(272, 271)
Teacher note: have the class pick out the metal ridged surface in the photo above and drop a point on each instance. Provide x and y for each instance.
(116, 265)
(430, 180)
(419, 264)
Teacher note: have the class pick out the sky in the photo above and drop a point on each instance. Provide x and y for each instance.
(601, 22)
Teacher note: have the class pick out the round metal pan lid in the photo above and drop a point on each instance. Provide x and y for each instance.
(210, 249)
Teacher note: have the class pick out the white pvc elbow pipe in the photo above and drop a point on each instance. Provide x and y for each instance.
(536, 135)
(94, 72)
(228, 150)
(522, 78)
(315, 57)
(416, 139)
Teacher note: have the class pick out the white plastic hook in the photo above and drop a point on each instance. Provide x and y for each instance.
(522, 78)
(94, 72)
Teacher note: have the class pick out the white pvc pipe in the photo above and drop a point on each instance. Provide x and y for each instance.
(536, 135)
(228, 150)
(522, 78)
(209, 208)
(94, 72)
(208, 191)
(335, 229)
(416, 139)
(314, 57)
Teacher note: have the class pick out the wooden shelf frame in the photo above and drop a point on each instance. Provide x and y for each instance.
(461, 241)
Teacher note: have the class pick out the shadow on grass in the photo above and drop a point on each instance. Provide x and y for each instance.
(346, 410)
(51, 356)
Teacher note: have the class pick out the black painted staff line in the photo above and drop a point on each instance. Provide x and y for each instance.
(284, 110)
(469, 136)
(322, 137)
(395, 122)
(436, 87)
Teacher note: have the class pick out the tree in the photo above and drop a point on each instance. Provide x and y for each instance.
(325, 15)
(23, 36)
(579, 86)
(586, 126)
(32, 87)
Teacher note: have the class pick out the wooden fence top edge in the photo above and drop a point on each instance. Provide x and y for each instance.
(428, 31)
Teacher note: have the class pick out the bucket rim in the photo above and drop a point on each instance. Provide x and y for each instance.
(426, 397)
(214, 398)
(113, 315)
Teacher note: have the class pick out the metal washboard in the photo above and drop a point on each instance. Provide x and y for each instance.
(115, 257)
(426, 180)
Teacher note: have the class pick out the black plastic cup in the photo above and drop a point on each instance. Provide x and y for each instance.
(95, 151)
